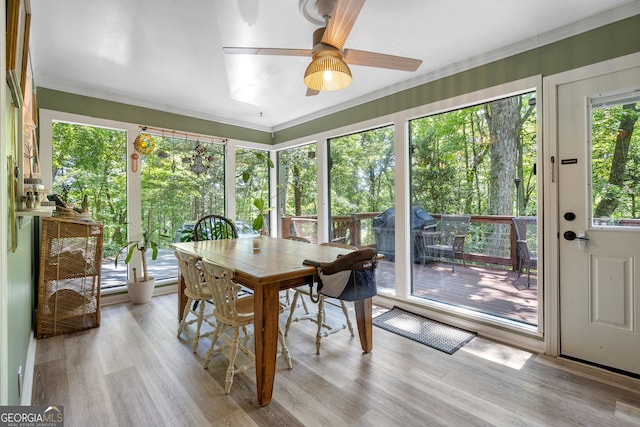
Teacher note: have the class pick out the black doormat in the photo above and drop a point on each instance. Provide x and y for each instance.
(434, 334)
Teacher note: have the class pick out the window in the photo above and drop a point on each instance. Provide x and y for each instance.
(361, 181)
(182, 180)
(298, 191)
(252, 187)
(477, 161)
(615, 164)
(89, 163)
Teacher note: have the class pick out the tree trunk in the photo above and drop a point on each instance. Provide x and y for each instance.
(610, 201)
(504, 123)
(297, 191)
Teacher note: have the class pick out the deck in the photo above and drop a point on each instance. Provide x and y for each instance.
(495, 291)
(498, 292)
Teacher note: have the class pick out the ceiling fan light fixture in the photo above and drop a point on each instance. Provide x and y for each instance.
(327, 71)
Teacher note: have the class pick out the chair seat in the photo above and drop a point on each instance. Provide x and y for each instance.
(244, 306)
(203, 293)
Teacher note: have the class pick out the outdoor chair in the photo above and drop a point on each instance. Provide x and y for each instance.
(448, 241)
(196, 290)
(232, 312)
(214, 227)
(319, 318)
(526, 226)
(341, 230)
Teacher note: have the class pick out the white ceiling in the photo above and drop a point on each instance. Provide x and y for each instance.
(167, 54)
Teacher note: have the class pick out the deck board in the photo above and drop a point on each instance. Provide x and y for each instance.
(493, 291)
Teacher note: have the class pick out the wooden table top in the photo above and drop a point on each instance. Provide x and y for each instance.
(277, 260)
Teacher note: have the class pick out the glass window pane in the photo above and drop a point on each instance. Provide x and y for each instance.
(298, 192)
(361, 180)
(615, 162)
(476, 163)
(182, 180)
(90, 162)
(252, 187)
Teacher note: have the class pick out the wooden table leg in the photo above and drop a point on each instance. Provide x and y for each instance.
(266, 310)
(363, 316)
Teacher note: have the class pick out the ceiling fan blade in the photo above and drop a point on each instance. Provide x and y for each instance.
(312, 92)
(266, 51)
(342, 19)
(380, 60)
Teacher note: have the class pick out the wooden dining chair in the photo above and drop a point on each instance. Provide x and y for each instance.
(319, 317)
(196, 290)
(214, 227)
(233, 313)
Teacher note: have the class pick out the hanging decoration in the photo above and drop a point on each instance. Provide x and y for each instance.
(144, 143)
(199, 161)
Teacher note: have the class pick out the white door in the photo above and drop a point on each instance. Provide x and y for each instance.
(599, 277)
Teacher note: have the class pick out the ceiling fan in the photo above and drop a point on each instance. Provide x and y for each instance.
(328, 69)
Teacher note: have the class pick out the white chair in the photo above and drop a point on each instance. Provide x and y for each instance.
(197, 293)
(324, 328)
(232, 312)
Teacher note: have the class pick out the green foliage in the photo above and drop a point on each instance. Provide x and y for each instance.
(451, 166)
(297, 180)
(252, 186)
(177, 195)
(615, 161)
(91, 161)
(361, 172)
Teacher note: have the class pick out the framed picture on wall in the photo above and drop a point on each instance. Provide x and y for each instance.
(18, 23)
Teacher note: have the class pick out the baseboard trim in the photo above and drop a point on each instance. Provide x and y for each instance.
(27, 379)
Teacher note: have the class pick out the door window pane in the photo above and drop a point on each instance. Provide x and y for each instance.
(615, 161)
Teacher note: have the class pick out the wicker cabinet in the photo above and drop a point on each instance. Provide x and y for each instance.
(69, 279)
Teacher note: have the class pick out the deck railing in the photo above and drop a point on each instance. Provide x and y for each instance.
(357, 230)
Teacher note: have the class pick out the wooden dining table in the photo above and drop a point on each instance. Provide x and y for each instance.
(275, 266)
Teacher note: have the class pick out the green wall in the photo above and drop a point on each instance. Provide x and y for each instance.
(20, 297)
(93, 107)
(18, 290)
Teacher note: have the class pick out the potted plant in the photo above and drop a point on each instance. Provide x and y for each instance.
(140, 289)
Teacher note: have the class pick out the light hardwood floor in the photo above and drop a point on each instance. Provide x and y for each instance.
(133, 371)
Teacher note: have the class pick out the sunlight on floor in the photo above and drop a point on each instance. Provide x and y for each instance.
(498, 353)
(410, 325)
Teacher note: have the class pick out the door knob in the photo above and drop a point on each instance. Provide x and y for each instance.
(571, 235)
